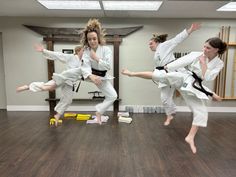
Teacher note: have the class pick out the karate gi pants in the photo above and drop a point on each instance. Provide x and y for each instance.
(67, 95)
(110, 96)
(167, 93)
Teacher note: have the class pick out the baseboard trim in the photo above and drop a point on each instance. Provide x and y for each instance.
(27, 108)
(210, 109)
(46, 108)
(138, 109)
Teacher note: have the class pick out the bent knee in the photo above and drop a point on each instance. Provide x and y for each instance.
(112, 97)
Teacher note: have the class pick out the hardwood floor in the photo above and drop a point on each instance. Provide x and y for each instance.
(144, 148)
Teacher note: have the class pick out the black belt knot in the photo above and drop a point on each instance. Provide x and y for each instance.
(199, 81)
(161, 68)
(101, 73)
(76, 89)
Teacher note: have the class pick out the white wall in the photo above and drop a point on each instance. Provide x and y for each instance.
(24, 65)
(3, 104)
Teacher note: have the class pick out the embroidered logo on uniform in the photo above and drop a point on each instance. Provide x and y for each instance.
(185, 85)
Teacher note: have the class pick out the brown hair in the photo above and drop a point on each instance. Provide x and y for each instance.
(93, 25)
(217, 43)
(159, 38)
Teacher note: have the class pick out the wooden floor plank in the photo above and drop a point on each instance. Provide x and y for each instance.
(29, 147)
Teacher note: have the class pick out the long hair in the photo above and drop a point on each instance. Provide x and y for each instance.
(93, 25)
(159, 38)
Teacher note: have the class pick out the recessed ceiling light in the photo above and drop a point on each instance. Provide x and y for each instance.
(132, 5)
(73, 5)
(228, 7)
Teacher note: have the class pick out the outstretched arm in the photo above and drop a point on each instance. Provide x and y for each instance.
(39, 47)
(52, 55)
(184, 34)
(169, 45)
(194, 27)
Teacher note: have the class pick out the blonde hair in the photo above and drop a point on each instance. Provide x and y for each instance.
(77, 48)
(93, 25)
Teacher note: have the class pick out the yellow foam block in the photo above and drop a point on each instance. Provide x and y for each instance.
(83, 116)
(66, 115)
(52, 121)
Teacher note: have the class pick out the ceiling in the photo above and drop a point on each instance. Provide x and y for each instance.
(168, 9)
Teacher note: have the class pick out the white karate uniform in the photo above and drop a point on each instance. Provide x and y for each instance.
(183, 82)
(105, 59)
(164, 55)
(72, 61)
(105, 56)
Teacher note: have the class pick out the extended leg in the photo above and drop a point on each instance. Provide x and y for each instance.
(144, 75)
(22, 88)
(49, 86)
(38, 86)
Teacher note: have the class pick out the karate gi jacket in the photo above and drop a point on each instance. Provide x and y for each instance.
(164, 51)
(192, 64)
(105, 62)
(71, 60)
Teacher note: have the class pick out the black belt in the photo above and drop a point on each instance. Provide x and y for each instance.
(161, 68)
(99, 72)
(200, 88)
(77, 88)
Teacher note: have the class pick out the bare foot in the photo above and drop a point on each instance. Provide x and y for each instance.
(191, 143)
(168, 120)
(126, 72)
(98, 117)
(22, 88)
(56, 119)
